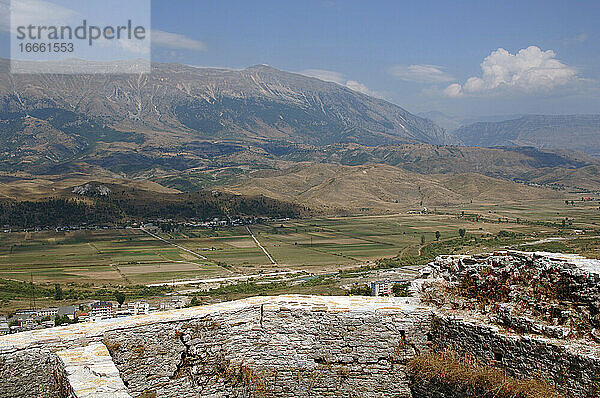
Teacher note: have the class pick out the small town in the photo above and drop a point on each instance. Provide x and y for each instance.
(377, 284)
(34, 319)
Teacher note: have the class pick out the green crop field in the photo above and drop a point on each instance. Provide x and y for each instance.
(130, 257)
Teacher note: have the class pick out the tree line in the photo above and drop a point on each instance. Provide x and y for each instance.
(128, 206)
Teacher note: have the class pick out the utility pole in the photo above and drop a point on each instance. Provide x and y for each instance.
(32, 301)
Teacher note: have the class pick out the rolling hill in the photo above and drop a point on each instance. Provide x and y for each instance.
(523, 164)
(96, 203)
(354, 189)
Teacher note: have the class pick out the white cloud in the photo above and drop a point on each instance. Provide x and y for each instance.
(453, 90)
(176, 41)
(35, 12)
(361, 88)
(529, 70)
(325, 75)
(420, 73)
(134, 46)
(580, 38)
(339, 78)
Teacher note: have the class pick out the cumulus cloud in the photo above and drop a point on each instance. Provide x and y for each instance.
(339, 78)
(420, 73)
(176, 41)
(529, 70)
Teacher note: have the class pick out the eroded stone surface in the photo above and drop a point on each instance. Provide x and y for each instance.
(555, 295)
(532, 313)
(90, 372)
(278, 346)
(81, 333)
(570, 368)
(289, 349)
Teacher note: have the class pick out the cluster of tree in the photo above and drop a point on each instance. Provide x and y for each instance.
(11, 290)
(508, 234)
(58, 292)
(359, 290)
(245, 288)
(566, 221)
(56, 212)
(127, 205)
(401, 289)
(203, 206)
(169, 226)
(120, 297)
(64, 320)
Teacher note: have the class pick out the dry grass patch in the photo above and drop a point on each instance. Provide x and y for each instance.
(459, 373)
(242, 374)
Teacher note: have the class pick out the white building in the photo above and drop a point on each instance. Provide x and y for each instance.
(47, 312)
(101, 310)
(174, 302)
(4, 329)
(138, 308)
(383, 288)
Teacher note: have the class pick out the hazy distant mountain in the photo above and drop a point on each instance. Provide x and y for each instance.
(451, 123)
(441, 119)
(575, 132)
(489, 118)
(176, 104)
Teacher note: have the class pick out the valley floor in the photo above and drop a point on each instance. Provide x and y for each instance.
(327, 254)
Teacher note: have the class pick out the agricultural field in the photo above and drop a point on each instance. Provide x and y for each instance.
(94, 264)
(125, 256)
(317, 245)
(582, 214)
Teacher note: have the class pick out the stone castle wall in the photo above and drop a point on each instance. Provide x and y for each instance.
(287, 346)
(575, 368)
(284, 346)
(286, 350)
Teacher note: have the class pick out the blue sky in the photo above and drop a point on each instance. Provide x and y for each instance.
(420, 55)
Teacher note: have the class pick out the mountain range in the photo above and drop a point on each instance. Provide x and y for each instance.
(178, 104)
(186, 128)
(451, 123)
(575, 132)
